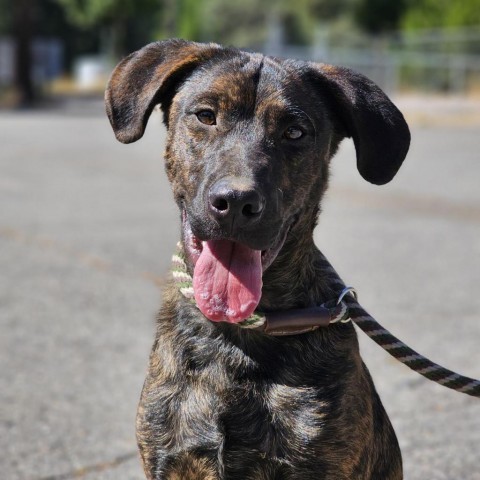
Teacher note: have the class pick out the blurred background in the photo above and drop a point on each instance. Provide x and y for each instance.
(52, 48)
(87, 225)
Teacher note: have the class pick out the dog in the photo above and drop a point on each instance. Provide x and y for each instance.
(249, 142)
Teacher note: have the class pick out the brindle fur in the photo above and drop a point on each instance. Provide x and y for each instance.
(221, 402)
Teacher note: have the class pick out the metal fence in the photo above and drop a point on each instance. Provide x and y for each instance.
(443, 61)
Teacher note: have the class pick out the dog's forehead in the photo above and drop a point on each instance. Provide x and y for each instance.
(245, 80)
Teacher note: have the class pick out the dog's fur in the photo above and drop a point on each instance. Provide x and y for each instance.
(221, 402)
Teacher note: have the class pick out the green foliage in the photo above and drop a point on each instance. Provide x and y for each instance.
(376, 16)
(299, 20)
(87, 13)
(115, 25)
(246, 23)
(441, 13)
(189, 14)
(325, 10)
(119, 26)
(236, 23)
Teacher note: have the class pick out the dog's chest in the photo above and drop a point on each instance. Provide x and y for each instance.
(266, 407)
(211, 406)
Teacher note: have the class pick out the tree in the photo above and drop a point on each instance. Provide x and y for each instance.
(377, 16)
(111, 15)
(442, 13)
(22, 23)
(236, 23)
(328, 10)
(188, 19)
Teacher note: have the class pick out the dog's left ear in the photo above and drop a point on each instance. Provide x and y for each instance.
(379, 131)
(149, 77)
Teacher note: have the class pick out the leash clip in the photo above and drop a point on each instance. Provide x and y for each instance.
(346, 291)
(342, 316)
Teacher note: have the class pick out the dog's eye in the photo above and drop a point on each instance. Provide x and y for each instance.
(207, 117)
(293, 133)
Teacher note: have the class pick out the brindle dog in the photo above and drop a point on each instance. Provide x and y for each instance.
(250, 139)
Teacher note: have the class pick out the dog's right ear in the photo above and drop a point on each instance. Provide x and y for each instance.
(365, 113)
(148, 77)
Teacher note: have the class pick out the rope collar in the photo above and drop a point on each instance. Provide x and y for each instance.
(278, 323)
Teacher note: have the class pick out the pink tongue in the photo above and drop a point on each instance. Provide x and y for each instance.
(227, 281)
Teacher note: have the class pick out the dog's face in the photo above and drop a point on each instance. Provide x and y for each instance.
(245, 150)
(249, 142)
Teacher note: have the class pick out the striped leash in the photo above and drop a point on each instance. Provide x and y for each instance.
(395, 347)
(409, 357)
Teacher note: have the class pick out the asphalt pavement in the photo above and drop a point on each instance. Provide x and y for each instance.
(87, 228)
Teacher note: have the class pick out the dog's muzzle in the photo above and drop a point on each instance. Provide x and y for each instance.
(227, 273)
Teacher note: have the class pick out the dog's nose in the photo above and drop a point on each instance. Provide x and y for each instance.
(235, 202)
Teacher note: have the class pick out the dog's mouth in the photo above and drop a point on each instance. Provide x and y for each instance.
(227, 274)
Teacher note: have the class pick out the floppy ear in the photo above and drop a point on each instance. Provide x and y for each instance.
(379, 131)
(148, 77)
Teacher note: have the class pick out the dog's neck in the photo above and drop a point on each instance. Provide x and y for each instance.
(296, 278)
